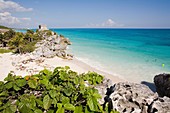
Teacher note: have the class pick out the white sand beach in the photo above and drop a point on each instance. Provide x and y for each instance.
(28, 65)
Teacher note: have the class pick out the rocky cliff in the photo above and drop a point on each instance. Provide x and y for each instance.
(52, 45)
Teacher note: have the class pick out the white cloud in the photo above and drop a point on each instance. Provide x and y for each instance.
(7, 9)
(7, 19)
(26, 19)
(108, 24)
(11, 6)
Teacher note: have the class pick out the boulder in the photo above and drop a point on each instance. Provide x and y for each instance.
(102, 88)
(162, 83)
(161, 105)
(128, 97)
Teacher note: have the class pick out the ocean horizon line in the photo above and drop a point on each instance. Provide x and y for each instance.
(92, 28)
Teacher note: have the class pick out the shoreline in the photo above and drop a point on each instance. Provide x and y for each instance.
(9, 62)
(114, 78)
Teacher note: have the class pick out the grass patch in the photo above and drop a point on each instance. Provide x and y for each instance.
(4, 51)
(3, 27)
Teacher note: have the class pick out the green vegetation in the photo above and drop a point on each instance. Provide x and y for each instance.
(60, 91)
(4, 38)
(3, 27)
(20, 42)
(5, 50)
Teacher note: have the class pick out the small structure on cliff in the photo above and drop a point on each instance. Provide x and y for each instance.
(42, 27)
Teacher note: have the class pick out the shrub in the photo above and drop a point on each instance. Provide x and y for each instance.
(5, 51)
(60, 91)
(28, 48)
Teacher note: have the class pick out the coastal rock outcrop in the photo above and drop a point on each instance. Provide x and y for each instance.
(162, 83)
(135, 98)
(53, 45)
(102, 88)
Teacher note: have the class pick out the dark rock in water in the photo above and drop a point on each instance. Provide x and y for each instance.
(162, 83)
(135, 98)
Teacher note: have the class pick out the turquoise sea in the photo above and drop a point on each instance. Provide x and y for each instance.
(133, 54)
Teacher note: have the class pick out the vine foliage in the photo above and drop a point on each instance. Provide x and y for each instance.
(60, 91)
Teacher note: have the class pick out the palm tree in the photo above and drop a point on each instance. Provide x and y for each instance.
(18, 42)
(1, 38)
(7, 36)
(29, 35)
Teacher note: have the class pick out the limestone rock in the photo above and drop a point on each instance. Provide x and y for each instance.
(135, 98)
(131, 97)
(54, 45)
(162, 83)
(161, 105)
(102, 88)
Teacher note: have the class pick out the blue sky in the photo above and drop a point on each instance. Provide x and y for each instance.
(86, 13)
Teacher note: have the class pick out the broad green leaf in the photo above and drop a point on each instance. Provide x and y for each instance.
(98, 79)
(24, 109)
(34, 78)
(10, 109)
(46, 72)
(10, 77)
(32, 83)
(39, 102)
(1, 103)
(96, 95)
(1, 83)
(76, 81)
(69, 107)
(63, 75)
(56, 70)
(21, 82)
(68, 91)
(50, 86)
(16, 88)
(13, 108)
(78, 109)
(38, 111)
(7, 110)
(59, 105)
(53, 93)
(2, 86)
(47, 102)
(32, 103)
(92, 103)
(60, 108)
(87, 110)
(45, 81)
(54, 101)
(67, 67)
(9, 85)
(65, 100)
(100, 108)
(4, 93)
(50, 111)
